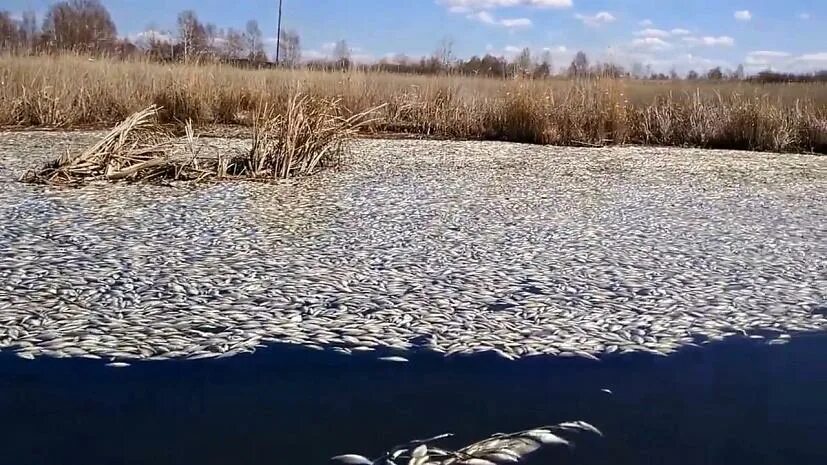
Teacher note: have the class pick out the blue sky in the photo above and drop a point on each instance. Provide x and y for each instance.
(696, 34)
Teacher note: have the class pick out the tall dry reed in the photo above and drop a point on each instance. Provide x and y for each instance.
(72, 91)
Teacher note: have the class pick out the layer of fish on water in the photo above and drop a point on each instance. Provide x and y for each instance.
(453, 247)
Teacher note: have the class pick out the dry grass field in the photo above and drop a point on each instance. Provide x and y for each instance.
(71, 91)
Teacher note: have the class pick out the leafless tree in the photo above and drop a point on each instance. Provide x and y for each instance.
(715, 74)
(80, 25)
(29, 29)
(637, 70)
(341, 54)
(580, 65)
(9, 32)
(234, 44)
(444, 53)
(255, 44)
(546, 66)
(522, 63)
(192, 35)
(212, 34)
(291, 51)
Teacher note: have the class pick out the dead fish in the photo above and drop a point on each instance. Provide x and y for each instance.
(352, 459)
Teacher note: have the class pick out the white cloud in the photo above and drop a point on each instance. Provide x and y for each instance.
(325, 51)
(764, 58)
(599, 18)
(559, 53)
(659, 61)
(711, 41)
(146, 36)
(515, 23)
(652, 33)
(820, 57)
(769, 54)
(804, 16)
(661, 33)
(646, 23)
(509, 23)
(483, 17)
(760, 60)
(465, 6)
(16, 17)
(651, 43)
(700, 64)
(743, 15)
(311, 55)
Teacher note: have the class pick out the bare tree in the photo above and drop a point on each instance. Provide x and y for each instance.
(522, 63)
(579, 65)
(234, 44)
(290, 48)
(546, 66)
(29, 30)
(637, 70)
(444, 53)
(739, 73)
(192, 36)
(9, 32)
(212, 35)
(715, 74)
(80, 25)
(341, 54)
(255, 44)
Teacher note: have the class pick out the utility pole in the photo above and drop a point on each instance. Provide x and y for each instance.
(278, 37)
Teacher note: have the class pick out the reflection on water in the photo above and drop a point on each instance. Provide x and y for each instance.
(738, 402)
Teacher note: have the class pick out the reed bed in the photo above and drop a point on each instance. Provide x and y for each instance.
(70, 91)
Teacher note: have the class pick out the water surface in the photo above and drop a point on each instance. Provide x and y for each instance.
(737, 402)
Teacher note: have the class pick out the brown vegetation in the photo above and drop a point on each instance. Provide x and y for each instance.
(312, 133)
(72, 91)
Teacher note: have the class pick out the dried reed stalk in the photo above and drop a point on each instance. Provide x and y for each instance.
(310, 134)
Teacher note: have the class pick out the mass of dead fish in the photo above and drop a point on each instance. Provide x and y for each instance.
(450, 247)
(500, 448)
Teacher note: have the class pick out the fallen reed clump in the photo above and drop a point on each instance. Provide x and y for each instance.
(312, 133)
(70, 91)
(135, 147)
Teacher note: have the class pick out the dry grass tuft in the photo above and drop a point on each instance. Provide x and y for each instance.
(311, 133)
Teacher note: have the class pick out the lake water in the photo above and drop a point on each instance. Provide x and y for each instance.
(737, 402)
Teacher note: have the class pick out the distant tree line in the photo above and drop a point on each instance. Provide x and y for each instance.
(771, 76)
(85, 26)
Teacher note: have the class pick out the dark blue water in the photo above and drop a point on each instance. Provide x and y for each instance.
(732, 403)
